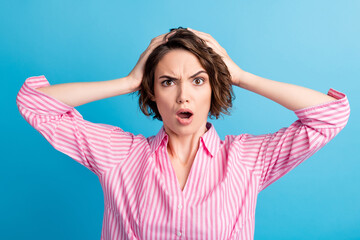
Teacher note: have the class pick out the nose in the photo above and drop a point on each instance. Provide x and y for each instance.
(182, 93)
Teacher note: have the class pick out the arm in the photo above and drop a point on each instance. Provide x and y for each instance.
(270, 156)
(320, 118)
(94, 145)
(291, 96)
(288, 95)
(51, 111)
(75, 94)
(78, 93)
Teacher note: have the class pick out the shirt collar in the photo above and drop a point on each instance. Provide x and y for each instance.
(210, 139)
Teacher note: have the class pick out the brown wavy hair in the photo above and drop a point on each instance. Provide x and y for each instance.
(220, 79)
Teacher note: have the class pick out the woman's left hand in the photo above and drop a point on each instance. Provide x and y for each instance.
(235, 70)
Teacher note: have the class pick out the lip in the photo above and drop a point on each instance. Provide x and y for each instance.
(184, 121)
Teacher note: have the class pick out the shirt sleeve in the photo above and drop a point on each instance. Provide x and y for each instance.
(271, 156)
(97, 146)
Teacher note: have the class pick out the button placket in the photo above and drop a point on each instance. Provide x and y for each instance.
(180, 230)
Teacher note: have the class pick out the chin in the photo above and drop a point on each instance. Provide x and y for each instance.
(189, 129)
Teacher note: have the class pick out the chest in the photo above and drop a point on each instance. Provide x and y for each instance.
(197, 208)
(181, 172)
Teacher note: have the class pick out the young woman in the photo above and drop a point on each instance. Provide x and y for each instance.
(184, 182)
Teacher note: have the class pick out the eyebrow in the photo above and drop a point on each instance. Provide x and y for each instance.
(165, 76)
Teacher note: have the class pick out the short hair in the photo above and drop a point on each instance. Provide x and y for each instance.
(219, 76)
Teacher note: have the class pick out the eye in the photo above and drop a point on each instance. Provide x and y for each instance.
(199, 81)
(167, 83)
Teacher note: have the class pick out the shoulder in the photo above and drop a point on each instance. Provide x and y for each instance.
(246, 140)
(118, 133)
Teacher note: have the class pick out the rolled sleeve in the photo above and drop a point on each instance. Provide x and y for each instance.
(90, 144)
(271, 156)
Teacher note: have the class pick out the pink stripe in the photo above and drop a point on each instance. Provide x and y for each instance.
(141, 192)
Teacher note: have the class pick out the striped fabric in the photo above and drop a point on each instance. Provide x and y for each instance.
(142, 196)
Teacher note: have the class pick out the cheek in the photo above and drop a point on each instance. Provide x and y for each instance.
(206, 97)
(162, 103)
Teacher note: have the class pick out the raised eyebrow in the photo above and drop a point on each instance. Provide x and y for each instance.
(166, 76)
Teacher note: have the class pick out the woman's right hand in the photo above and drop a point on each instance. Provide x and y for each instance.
(136, 74)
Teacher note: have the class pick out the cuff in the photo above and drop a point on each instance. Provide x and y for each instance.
(341, 100)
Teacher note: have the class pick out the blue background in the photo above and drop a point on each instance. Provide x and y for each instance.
(47, 195)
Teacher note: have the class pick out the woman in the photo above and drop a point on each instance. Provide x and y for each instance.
(183, 183)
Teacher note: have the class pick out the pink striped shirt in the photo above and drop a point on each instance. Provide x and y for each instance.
(142, 196)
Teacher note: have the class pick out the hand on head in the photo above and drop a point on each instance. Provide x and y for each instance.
(136, 75)
(235, 71)
(137, 72)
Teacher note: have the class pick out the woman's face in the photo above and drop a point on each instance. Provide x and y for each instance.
(182, 93)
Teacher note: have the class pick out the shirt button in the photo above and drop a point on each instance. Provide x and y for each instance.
(179, 234)
(179, 206)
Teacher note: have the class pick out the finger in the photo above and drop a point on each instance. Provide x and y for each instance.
(206, 35)
(157, 41)
(160, 37)
(208, 39)
(168, 35)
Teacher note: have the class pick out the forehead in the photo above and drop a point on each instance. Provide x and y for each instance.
(178, 62)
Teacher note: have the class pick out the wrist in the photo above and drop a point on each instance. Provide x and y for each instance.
(124, 85)
(240, 78)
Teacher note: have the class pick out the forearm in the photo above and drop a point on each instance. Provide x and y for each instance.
(291, 96)
(79, 93)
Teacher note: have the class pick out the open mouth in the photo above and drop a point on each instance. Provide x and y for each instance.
(185, 115)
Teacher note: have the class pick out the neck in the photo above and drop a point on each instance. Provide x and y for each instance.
(182, 148)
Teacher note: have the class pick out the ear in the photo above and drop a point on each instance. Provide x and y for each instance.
(152, 98)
